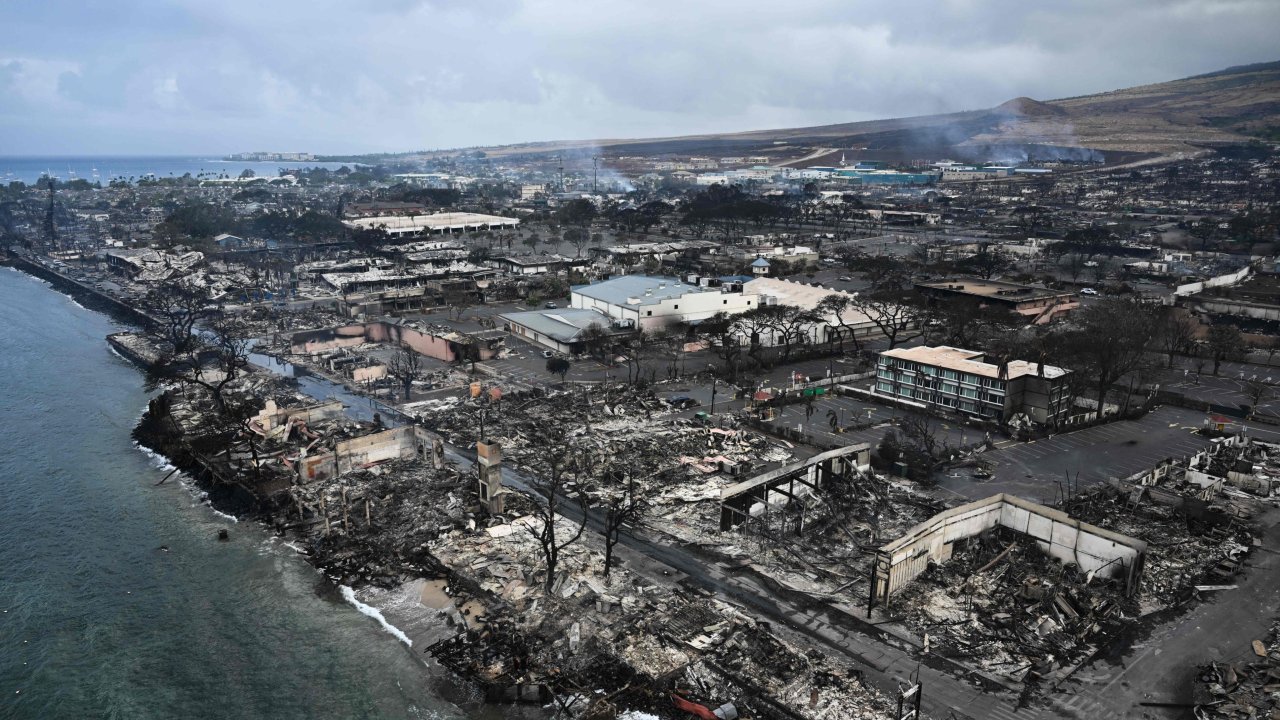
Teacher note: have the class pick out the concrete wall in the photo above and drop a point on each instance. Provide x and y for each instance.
(352, 454)
(1227, 306)
(369, 373)
(1219, 281)
(1091, 548)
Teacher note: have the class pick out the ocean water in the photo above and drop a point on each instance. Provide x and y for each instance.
(117, 601)
(104, 168)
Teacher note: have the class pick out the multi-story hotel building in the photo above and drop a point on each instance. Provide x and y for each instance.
(961, 381)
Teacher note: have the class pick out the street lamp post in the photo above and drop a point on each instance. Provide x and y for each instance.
(712, 368)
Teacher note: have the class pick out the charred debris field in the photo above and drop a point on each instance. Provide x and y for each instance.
(491, 527)
(397, 516)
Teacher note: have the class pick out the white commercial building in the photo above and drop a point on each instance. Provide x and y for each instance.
(432, 224)
(856, 325)
(653, 303)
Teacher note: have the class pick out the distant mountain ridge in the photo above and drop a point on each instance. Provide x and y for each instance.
(1183, 116)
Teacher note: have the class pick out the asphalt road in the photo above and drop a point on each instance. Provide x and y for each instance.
(1160, 667)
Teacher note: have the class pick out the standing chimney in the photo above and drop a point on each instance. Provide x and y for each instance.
(489, 456)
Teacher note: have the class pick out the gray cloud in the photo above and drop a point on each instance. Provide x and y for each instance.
(326, 75)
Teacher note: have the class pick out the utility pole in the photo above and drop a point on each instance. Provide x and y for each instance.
(595, 173)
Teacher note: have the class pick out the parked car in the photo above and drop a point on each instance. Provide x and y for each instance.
(683, 402)
(548, 354)
(551, 306)
(845, 278)
(1088, 291)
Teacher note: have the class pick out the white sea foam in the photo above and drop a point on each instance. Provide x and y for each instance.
(350, 596)
(221, 514)
(157, 459)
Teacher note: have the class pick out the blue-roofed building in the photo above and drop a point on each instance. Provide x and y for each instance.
(652, 302)
(759, 267)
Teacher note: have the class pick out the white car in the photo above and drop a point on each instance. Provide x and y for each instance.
(1088, 291)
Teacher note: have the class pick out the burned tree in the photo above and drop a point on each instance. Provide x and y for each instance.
(898, 320)
(178, 309)
(578, 238)
(986, 263)
(842, 308)
(405, 365)
(1258, 392)
(723, 330)
(788, 323)
(1177, 331)
(1113, 339)
(620, 495)
(199, 345)
(1225, 341)
(558, 465)
(595, 340)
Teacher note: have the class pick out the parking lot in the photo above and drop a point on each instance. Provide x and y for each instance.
(525, 364)
(1035, 470)
(849, 411)
(1234, 386)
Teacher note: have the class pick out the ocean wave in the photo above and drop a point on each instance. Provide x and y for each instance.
(158, 460)
(350, 596)
(221, 514)
(29, 276)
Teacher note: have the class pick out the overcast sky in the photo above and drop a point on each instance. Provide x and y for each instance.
(215, 76)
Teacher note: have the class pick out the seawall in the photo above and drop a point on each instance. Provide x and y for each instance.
(86, 295)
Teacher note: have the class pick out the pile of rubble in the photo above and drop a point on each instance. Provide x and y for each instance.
(275, 324)
(838, 542)
(846, 522)
(1002, 604)
(617, 420)
(241, 470)
(1005, 606)
(1244, 689)
(767, 677)
(594, 644)
(1190, 545)
(375, 526)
